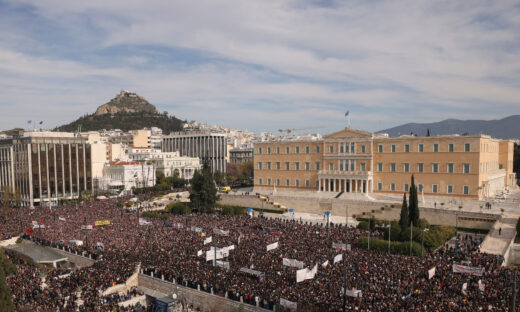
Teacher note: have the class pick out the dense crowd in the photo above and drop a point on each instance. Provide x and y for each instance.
(169, 249)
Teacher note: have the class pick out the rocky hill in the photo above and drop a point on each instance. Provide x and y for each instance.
(126, 102)
(127, 111)
(506, 128)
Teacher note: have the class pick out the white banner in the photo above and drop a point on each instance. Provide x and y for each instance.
(288, 304)
(178, 226)
(220, 232)
(293, 263)
(338, 258)
(272, 246)
(353, 292)
(464, 288)
(207, 240)
(301, 275)
(61, 219)
(86, 227)
(339, 246)
(325, 264)
(481, 286)
(457, 268)
(431, 273)
(196, 229)
(223, 264)
(144, 222)
(199, 253)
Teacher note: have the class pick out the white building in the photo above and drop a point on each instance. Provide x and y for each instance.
(166, 162)
(123, 175)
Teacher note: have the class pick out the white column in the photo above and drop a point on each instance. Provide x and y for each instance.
(39, 175)
(70, 169)
(77, 168)
(47, 171)
(62, 169)
(319, 185)
(55, 173)
(345, 185)
(85, 168)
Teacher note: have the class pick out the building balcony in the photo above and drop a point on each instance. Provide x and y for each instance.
(345, 174)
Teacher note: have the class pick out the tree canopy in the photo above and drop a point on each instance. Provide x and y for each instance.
(203, 192)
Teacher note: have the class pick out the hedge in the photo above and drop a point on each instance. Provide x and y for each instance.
(395, 247)
(154, 215)
(232, 210)
(178, 208)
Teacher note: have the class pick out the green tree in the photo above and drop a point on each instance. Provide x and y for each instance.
(413, 205)
(404, 219)
(6, 302)
(203, 193)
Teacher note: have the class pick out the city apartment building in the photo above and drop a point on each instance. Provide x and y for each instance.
(168, 163)
(45, 166)
(473, 166)
(207, 146)
(240, 155)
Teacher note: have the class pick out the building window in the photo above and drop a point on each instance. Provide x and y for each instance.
(269, 166)
(278, 150)
(380, 167)
(331, 166)
(392, 187)
(406, 167)
(341, 165)
(407, 148)
(450, 147)
(317, 149)
(450, 189)
(393, 148)
(352, 147)
(434, 188)
(435, 168)
(260, 151)
(406, 187)
(297, 150)
(317, 184)
(287, 182)
(268, 150)
(341, 149)
(379, 186)
(465, 168)
(269, 181)
(287, 150)
(421, 148)
(420, 167)
(392, 167)
(331, 149)
(363, 149)
(363, 166)
(297, 166)
(380, 148)
(420, 188)
(297, 183)
(317, 166)
(287, 166)
(277, 165)
(307, 150)
(466, 190)
(260, 166)
(466, 147)
(307, 183)
(277, 182)
(260, 181)
(435, 148)
(307, 166)
(352, 165)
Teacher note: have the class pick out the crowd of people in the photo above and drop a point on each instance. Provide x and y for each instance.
(171, 250)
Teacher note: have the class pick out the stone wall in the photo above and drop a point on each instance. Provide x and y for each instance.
(199, 299)
(78, 260)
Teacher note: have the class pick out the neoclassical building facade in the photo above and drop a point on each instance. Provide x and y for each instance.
(473, 166)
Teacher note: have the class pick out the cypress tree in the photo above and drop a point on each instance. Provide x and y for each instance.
(413, 206)
(404, 220)
(6, 299)
(203, 192)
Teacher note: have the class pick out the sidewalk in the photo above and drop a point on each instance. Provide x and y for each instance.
(497, 244)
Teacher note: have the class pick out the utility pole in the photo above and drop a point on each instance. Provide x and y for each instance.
(40, 222)
(86, 235)
(151, 245)
(411, 234)
(346, 265)
(422, 240)
(389, 234)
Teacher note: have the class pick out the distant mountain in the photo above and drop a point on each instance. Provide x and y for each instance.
(506, 128)
(127, 111)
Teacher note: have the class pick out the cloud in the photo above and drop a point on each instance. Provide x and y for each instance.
(283, 62)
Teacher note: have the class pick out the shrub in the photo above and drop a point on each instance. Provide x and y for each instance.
(232, 210)
(363, 225)
(154, 215)
(395, 231)
(395, 247)
(178, 208)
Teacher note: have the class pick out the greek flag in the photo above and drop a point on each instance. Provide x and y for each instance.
(29, 121)
(346, 114)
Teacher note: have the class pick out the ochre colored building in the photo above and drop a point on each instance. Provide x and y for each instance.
(472, 166)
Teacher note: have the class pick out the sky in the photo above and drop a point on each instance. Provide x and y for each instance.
(262, 65)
